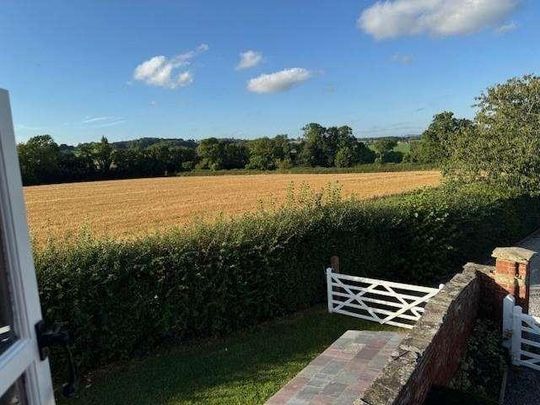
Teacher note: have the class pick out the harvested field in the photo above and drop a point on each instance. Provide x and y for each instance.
(123, 208)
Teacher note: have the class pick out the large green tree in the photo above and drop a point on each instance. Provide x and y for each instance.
(333, 146)
(102, 152)
(269, 153)
(217, 154)
(38, 159)
(502, 148)
(436, 141)
(384, 149)
(313, 145)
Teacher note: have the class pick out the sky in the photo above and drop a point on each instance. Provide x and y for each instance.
(79, 70)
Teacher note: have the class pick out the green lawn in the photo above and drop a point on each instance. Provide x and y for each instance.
(404, 147)
(243, 369)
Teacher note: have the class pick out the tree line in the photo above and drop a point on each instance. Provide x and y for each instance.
(43, 161)
(499, 146)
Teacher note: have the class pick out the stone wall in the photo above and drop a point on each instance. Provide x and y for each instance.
(430, 354)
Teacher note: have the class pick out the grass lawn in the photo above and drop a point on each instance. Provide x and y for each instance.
(403, 147)
(244, 369)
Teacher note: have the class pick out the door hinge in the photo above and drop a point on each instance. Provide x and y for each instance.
(56, 336)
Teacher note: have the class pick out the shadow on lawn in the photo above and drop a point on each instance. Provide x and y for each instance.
(246, 368)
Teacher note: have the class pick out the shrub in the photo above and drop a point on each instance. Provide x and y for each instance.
(481, 369)
(124, 297)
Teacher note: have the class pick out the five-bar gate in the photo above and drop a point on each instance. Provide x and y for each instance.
(385, 302)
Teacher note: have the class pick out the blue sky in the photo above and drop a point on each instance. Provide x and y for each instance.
(78, 70)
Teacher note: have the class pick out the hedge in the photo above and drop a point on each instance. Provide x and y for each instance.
(361, 168)
(121, 298)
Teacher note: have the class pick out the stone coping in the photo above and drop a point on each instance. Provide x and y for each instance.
(408, 363)
(513, 254)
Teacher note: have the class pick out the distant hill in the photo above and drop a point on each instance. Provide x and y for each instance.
(405, 138)
(146, 142)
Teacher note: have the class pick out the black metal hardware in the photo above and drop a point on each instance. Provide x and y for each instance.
(56, 336)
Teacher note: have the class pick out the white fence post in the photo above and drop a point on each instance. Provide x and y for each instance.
(508, 308)
(515, 351)
(329, 289)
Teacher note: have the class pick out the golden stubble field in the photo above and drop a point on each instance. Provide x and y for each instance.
(124, 208)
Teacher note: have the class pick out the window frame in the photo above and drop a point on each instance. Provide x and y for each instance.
(22, 357)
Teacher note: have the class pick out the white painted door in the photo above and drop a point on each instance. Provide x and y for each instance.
(24, 378)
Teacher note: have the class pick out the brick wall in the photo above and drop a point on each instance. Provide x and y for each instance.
(511, 275)
(430, 354)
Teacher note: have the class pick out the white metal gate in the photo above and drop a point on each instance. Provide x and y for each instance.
(385, 302)
(521, 334)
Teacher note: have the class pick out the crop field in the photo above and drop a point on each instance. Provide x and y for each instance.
(125, 208)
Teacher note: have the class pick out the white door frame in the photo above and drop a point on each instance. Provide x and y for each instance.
(22, 357)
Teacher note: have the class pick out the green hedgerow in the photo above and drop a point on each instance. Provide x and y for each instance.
(122, 297)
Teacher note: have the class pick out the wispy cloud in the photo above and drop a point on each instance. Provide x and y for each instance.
(249, 59)
(102, 121)
(163, 72)
(503, 29)
(279, 81)
(89, 120)
(402, 59)
(396, 18)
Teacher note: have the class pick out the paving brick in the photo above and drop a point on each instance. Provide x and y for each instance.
(334, 389)
(343, 372)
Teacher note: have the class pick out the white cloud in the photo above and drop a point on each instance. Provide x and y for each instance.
(503, 29)
(203, 48)
(89, 120)
(102, 122)
(391, 19)
(278, 81)
(162, 71)
(249, 59)
(184, 79)
(402, 59)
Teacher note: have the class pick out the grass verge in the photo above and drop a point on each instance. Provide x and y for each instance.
(244, 369)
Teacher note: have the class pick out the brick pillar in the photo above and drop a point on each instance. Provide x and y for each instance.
(512, 273)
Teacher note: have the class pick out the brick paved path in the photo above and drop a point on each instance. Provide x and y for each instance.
(342, 373)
